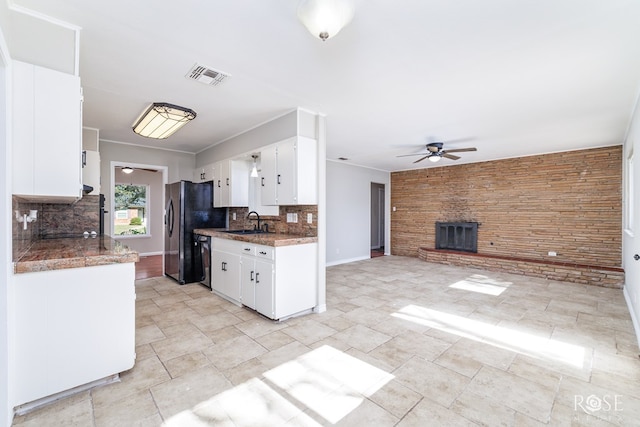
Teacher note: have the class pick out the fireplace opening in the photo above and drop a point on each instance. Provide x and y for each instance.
(457, 236)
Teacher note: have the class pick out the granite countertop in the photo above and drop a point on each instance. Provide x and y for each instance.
(73, 252)
(267, 239)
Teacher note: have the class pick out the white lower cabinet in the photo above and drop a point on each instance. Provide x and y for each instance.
(257, 278)
(225, 270)
(73, 326)
(278, 282)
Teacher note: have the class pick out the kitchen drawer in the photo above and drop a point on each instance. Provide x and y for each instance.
(225, 245)
(264, 252)
(248, 249)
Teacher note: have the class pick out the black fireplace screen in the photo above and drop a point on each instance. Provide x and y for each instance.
(457, 236)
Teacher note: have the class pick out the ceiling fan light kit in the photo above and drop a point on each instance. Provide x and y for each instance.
(325, 18)
(435, 152)
(161, 120)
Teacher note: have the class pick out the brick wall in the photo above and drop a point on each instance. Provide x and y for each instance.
(568, 202)
(279, 224)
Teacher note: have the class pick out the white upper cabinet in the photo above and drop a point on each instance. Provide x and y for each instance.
(268, 175)
(204, 173)
(47, 134)
(231, 184)
(289, 172)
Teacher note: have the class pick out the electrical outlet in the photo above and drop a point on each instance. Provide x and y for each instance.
(292, 217)
(552, 253)
(234, 216)
(309, 218)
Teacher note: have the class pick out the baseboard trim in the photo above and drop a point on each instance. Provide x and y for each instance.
(320, 308)
(634, 319)
(348, 260)
(151, 254)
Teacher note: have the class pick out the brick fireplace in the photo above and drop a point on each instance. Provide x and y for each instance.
(457, 236)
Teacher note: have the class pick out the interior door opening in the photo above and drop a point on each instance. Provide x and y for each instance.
(377, 219)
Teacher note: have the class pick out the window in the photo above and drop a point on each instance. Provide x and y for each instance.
(131, 210)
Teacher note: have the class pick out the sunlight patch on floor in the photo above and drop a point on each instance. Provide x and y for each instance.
(499, 336)
(252, 403)
(481, 284)
(326, 380)
(329, 381)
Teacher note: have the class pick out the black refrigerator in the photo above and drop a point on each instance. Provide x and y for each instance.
(188, 206)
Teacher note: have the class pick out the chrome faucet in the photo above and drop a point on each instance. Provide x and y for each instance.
(258, 217)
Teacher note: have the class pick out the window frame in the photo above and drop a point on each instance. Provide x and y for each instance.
(147, 211)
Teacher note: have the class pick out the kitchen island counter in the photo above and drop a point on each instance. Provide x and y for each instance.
(73, 252)
(267, 239)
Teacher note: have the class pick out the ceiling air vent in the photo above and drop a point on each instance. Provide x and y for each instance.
(207, 75)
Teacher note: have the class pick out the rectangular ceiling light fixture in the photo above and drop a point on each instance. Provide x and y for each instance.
(162, 120)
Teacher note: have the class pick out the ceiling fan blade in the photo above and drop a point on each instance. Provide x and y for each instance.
(460, 150)
(416, 154)
(419, 160)
(450, 156)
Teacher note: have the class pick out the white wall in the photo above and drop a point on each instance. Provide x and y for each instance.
(153, 244)
(59, 51)
(278, 129)
(631, 234)
(349, 211)
(6, 276)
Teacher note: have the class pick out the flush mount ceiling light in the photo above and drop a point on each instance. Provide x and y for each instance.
(325, 18)
(162, 120)
(127, 170)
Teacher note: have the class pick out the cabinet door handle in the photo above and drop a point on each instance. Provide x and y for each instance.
(252, 276)
(257, 281)
(227, 182)
(218, 183)
(262, 181)
(278, 178)
(224, 266)
(247, 249)
(263, 253)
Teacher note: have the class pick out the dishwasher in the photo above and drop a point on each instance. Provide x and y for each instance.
(204, 259)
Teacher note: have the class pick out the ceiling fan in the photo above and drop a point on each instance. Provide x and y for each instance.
(435, 152)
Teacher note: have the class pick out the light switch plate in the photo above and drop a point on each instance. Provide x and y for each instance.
(309, 218)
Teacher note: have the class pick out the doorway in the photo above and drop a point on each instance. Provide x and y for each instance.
(147, 237)
(377, 219)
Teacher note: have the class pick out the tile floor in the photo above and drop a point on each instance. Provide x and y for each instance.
(403, 343)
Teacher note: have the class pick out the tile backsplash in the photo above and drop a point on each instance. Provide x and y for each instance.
(279, 223)
(54, 220)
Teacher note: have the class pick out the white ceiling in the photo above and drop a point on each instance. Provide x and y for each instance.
(512, 77)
